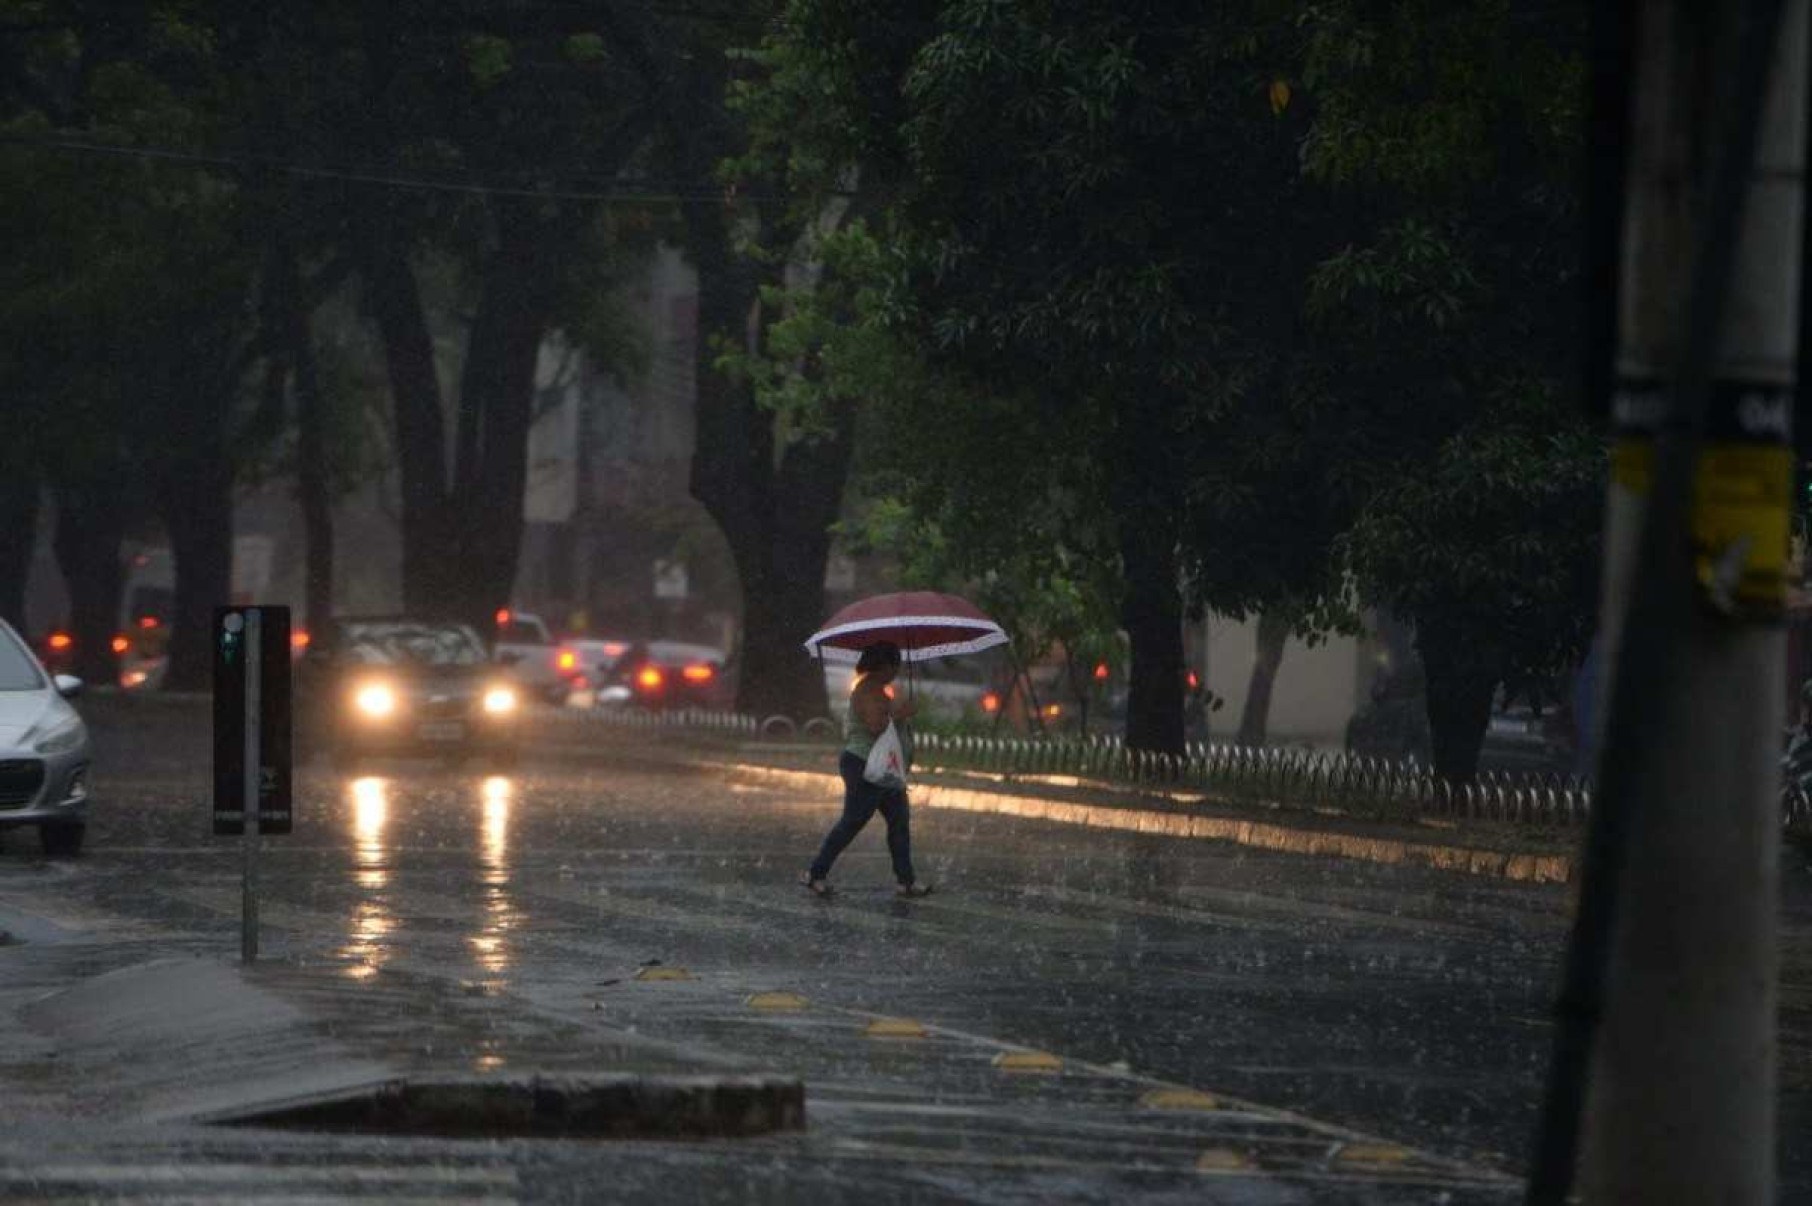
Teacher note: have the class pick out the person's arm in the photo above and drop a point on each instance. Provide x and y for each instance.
(870, 705)
(874, 709)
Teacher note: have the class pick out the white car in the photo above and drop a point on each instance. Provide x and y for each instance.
(524, 644)
(44, 749)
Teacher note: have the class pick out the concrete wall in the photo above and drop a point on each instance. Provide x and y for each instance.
(1316, 691)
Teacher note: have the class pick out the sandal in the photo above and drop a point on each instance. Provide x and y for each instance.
(914, 889)
(817, 887)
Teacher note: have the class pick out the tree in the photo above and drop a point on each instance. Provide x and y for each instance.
(534, 112)
(137, 294)
(1074, 200)
(774, 488)
(1454, 318)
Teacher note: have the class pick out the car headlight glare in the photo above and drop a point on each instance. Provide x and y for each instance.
(376, 700)
(61, 739)
(499, 701)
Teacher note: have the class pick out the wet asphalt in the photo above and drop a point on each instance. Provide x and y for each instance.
(1224, 1024)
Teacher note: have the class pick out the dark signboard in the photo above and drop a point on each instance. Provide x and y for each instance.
(232, 673)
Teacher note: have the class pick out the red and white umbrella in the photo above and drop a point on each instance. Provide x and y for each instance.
(925, 624)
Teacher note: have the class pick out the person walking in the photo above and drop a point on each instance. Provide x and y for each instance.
(870, 710)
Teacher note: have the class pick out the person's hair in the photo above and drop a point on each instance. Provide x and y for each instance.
(877, 655)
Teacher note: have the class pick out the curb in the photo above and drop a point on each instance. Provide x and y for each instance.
(559, 1107)
(1258, 835)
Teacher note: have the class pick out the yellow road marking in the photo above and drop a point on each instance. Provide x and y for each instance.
(1178, 1099)
(1223, 1159)
(663, 973)
(895, 1028)
(777, 1002)
(1028, 1061)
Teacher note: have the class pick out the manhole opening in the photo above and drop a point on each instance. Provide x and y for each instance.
(616, 1108)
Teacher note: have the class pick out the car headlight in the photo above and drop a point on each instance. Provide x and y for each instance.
(499, 700)
(376, 700)
(60, 739)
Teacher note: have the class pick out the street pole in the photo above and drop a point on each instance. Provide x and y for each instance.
(253, 782)
(1670, 989)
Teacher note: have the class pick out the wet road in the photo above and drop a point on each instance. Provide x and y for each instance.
(430, 919)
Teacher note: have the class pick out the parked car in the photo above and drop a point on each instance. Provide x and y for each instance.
(667, 674)
(396, 685)
(44, 749)
(524, 644)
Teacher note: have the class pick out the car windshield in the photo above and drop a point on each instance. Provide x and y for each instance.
(391, 643)
(18, 672)
(523, 632)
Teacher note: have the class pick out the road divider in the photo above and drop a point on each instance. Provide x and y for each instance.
(1292, 836)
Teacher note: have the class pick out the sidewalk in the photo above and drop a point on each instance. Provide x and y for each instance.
(1516, 852)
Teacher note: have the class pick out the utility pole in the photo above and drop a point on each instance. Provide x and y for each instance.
(1670, 992)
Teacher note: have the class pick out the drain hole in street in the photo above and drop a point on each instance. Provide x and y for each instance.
(628, 1107)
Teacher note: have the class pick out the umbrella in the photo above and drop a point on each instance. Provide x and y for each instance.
(925, 624)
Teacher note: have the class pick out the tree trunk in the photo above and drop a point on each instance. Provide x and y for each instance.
(1153, 615)
(314, 489)
(1273, 634)
(777, 676)
(497, 407)
(20, 497)
(196, 501)
(91, 527)
(775, 512)
(1460, 686)
(430, 546)
(1147, 494)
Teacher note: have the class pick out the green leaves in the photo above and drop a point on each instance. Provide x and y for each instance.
(489, 58)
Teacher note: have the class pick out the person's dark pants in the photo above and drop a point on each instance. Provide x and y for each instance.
(861, 800)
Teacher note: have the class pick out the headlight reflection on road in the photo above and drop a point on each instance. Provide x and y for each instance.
(489, 944)
(370, 811)
(368, 944)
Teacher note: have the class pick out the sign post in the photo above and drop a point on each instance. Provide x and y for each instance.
(251, 741)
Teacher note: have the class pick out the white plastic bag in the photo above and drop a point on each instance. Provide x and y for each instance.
(887, 760)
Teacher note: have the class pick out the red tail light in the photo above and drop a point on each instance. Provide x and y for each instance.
(1101, 671)
(990, 702)
(60, 640)
(503, 616)
(147, 622)
(698, 674)
(648, 678)
(1194, 681)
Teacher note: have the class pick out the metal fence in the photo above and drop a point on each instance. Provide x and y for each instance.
(1285, 778)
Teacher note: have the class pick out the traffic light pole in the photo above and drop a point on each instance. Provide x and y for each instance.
(1670, 982)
